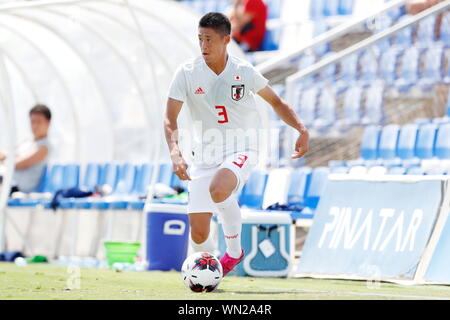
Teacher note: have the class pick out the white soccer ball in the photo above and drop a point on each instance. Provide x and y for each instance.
(201, 272)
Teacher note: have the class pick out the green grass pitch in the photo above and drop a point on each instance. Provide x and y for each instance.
(50, 282)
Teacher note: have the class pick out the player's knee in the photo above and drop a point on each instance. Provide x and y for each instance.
(199, 236)
(218, 193)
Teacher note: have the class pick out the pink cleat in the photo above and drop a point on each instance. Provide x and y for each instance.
(228, 263)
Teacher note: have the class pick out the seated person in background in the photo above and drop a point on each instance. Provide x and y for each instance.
(248, 23)
(31, 155)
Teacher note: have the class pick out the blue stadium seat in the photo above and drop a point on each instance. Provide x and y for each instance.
(321, 26)
(91, 179)
(300, 179)
(388, 64)
(442, 146)
(329, 72)
(326, 109)
(445, 29)
(307, 106)
(91, 176)
(425, 141)
(307, 60)
(273, 8)
(125, 185)
(43, 181)
(381, 23)
(316, 8)
(271, 39)
(109, 174)
(396, 170)
(55, 180)
(253, 191)
(165, 174)
(352, 105)
(407, 141)
(71, 179)
(318, 180)
(415, 171)
(143, 180)
(349, 67)
(374, 110)
(346, 7)
(404, 38)
(369, 66)
(388, 141)
(409, 71)
(71, 176)
(369, 143)
(331, 7)
(433, 65)
(425, 30)
(396, 12)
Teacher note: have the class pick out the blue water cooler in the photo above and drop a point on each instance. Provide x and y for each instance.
(167, 236)
(268, 240)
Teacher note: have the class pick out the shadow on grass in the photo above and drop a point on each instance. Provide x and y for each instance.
(256, 292)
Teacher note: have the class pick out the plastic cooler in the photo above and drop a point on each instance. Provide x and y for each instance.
(268, 240)
(167, 236)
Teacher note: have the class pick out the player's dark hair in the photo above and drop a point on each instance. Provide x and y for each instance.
(42, 109)
(216, 21)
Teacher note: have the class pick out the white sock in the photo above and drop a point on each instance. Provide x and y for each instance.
(207, 246)
(230, 214)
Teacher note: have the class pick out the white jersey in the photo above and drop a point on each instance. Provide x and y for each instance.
(222, 107)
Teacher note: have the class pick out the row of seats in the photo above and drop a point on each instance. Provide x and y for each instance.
(318, 107)
(128, 183)
(425, 141)
(301, 187)
(401, 68)
(326, 8)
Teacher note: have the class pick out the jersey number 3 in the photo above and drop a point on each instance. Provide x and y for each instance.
(223, 114)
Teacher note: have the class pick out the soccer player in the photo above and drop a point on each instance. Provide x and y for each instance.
(219, 90)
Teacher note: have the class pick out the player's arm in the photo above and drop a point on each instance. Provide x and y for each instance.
(34, 158)
(288, 115)
(180, 166)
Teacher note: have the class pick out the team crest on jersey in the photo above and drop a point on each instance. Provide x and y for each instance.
(237, 92)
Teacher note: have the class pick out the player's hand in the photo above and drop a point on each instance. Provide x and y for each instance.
(301, 145)
(180, 168)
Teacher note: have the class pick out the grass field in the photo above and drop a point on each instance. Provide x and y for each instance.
(49, 282)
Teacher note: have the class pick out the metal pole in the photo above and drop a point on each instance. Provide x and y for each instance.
(7, 103)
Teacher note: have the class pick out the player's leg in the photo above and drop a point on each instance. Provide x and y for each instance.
(201, 240)
(224, 188)
(201, 208)
(221, 190)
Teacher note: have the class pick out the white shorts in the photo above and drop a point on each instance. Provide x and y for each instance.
(241, 164)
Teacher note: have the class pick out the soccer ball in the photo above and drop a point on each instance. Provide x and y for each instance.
(201, 272)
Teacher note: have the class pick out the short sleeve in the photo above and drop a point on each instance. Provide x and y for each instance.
(177, 89)
(259, 81)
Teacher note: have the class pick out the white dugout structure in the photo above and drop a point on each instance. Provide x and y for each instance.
(102, 67)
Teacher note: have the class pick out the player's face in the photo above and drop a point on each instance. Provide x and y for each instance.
(39, 124)
(213, 45)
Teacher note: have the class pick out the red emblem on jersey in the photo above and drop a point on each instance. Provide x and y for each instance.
(199, 91)
(242, 158)
(237, 77)
(237, 92)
